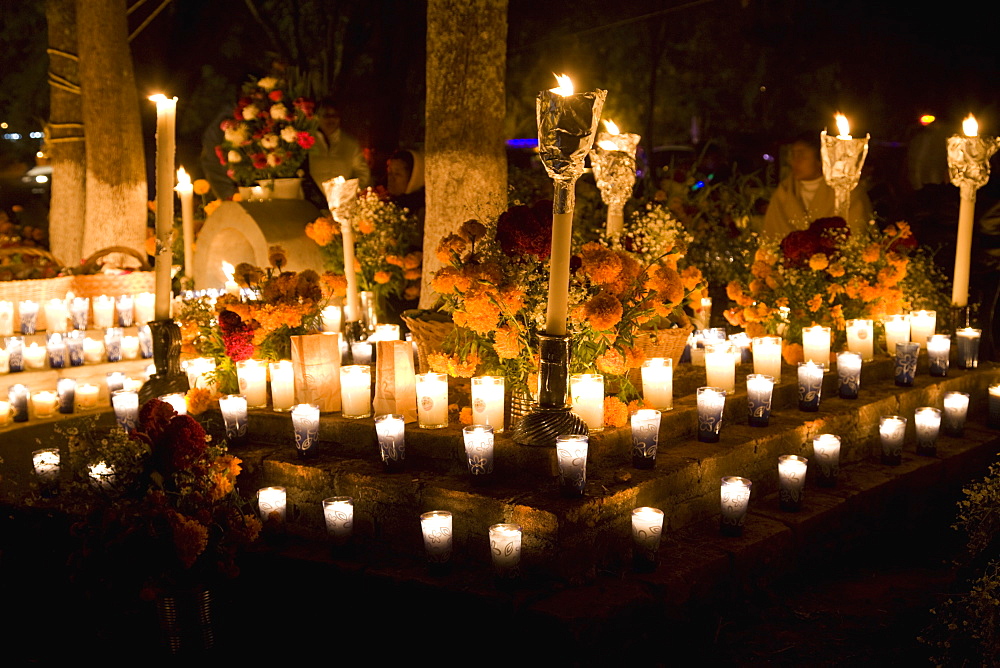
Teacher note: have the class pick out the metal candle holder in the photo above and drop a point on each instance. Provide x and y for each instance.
(842, 163)
(167, 358)
(551, 416)
(613, 159)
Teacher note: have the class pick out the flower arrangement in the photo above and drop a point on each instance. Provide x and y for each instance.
(159, 503)
(268, 134)
(824, 275)
(494, 283)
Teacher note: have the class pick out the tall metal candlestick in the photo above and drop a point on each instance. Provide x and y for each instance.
(166, 118)
(613, 159)
(843, 157)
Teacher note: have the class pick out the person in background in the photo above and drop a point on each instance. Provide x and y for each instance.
(804, 196)
(405, 181)
(336, 153)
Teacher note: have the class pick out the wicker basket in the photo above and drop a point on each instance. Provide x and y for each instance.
(90, 282)
(428, 335)
(36, 289)
(663, 342)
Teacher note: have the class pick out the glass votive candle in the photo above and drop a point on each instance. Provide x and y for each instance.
(760, 389)
(4, 361)
(720, 366)
(18, 396)
(113, 344)
(332, 318)
(34, 356)
(826, 454)
(74, 348)
(735, 495)
(130, 347)
(86, 396)
(810, 386)
(126, 310)
(272, 504)
(645, 437)
(938, 351)
(906, 363)
(282, 385)
(571, 456)
(79, 311)
(922, 326)
(199, 371)
(145, 337)
(338, 512)
(742, 343)
(391, 440)
(46, 463)
(505, 548)
(647, 527)
(56, 316)
(586, 392)
(145, 307)
(361, 352)
(479, 449)
(115, 381)
(849, 374)
(104, 312)
(126, 405)
(432, 400)
(235, 416)
(15, 354)
(967, 343)
(6, 318)
(252, 376)
(436, 528)
(994, 406)
(93, 351)
(386, 332)
(28, 312)
(861, 338)
(305, 422)
(816, 345)
(711, 404)
(356, 391)
(55, 347)
(956, 408)
(176, 400)
(5, 413)
(897, 330)
(927, 421)
(487, 401)
(66, 390)
(44, 403)
(791, 480)
(767, 356)
(658, 383)
(892, 433)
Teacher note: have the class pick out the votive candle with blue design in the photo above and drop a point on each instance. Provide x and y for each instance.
(28, 312)
(79, 312)
(18, 396)
(113, 344)
(145, 342)
(571, 456)
(760, 389)
(967, 343)
(391, 440)
(892, 434)
(849, 374)
(956, 408)
(810, 386)
(927, 421)
(56, 349)
(305, 421)
(126, 310)
(938, 351)
(126, 405)
(479, 449)
(15, 353)
(647, 527)
(791, 480)
(906, 363)
(74, 348)
(735, 499)
(645, 437)
(436, 526)
(711, 404)
(994, 406)
(235, 416)
(826, 454)
(66, 389)
(115, 381)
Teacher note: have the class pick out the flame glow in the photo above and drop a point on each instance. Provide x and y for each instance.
(229, 270)
(565, 87)
(843, 127)
(183, 178)
(927, 119)
(970, 127)
(610, 126)
(607, 145)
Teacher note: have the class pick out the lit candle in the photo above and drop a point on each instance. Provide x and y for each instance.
(145, 307)
(86, 396)
(767, 356)
(338, 511)
(432, 400)
(897, 330)
(613, 163)
(252, 376)
(956, 407)
(861, 338)
(826, 452)
(113, 344)
(658, 383)
(185, 190)
(436, 527)
(387, 333)
(647, 527)
(720, 366)
(145, 337)
(283, 386)
(711, 403)
(66, 389)
(126, 405)
(6, 318)
(922, 326)
(332, 316)
(355, 391)
(55, 346)
(130, 347)
(735, 493)
(928, 422)
(339, 194)
(176, 400)
(816, 345)
(5, 413)
(487, 401)
(272, 503)
(791, 480)
(231, 287)
(742, 343)
(810, 386)
(645, 437)
(101, 475)
(132, 383)
(4, 361)
(391, 433)
(843, 157)
(760, 389)
(994, 406)
(46, 463)
(15, 354)
(967, 341)
(104, 312)
(125, 306)
(892, 433)
(479, 449)
(361, 352)
(44, 403)
(34, 356)
(199, 371)
(849, 374)
(305, 421)
(28, 312)
(93, 351)
(571, 457)
(74, 346)
(938, 351)
(234, 415)
(505, 547)
(79, 310)
(56, 316)
(166, 114)
(906, 363)
(587, 395)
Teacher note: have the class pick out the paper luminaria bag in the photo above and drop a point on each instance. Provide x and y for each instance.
(395, 382)
(316, 364)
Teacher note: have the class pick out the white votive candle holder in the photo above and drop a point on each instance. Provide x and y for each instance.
(816, 345)
(252, 376)
(645, 437)
(305, 422)
(922, 326)
(432, 400)
(282, 385)
(892, 434)
(338, 513)
(720, 366)
(86, 396)
(861, 338)
(488, 401)
(104, 312)
(235, 416)
(126, 405)
(767, 356)
(967, 344)
(391, 433)
(760, 389)
(355, 391)
(735, 500)
(897, 330)
(711, 405)
(272, 504)
(826, 454)
(587, 396)
(505, 548)
(571, 457)
(46, 464)
(66, 389)
(938, 352)
(44, 403)
(436, 527)
(658, 383)
(34, 356)
(849, 374)
(791, 481)
(647, 528)
(479, 444)
(176, 400)
(956, 408)
(927, 421)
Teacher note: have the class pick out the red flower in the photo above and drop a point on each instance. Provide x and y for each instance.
(305, 140)
(154, 416)
(800, 245)
(259, 160)
(276, 95)
(526, 230)
(305, 106)
(182, 444)
(220, 155)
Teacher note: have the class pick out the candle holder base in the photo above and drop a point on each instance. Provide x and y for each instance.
(168, 378)
(540, 427)
(550, 417)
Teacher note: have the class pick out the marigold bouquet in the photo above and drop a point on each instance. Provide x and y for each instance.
(268, 135)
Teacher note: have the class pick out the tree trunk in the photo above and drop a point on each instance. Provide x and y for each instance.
(466, 167)
(116, 173)
(64, 134)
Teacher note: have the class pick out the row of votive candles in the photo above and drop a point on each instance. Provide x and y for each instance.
(61, 315)
(68, 397)
(74, 349)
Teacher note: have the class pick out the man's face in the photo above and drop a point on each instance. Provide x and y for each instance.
(399, 177)
(329, 120)
(805, 163)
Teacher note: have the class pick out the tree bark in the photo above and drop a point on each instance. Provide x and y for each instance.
(466, 167)
(116, 174)
(64, 133)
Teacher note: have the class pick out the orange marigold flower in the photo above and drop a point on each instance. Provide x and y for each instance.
(792, 353)
(365, 226)
(333, 285)
(201, 187)
(756, 286)
(212, 206)
(507, 343)
(465, 415)
(667, 284)
(484, 314)
(411, 292)
(611, 362)
(411, 274)
(599, 263)
(734, 290)
(691, 277)
(836, 269)
(394, 260)
(615, 412)
(449, 246)
(814, 303)
(321, 230)
(819, 262)
(755, 329)
(734, 317)
(382, 277)
(603, 311)
(413, 260)
(871, 253)
(198, 400)
(190, 538)
(634, 357)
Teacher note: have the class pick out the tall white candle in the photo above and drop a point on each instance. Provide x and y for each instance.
(861, 338)
(897, 330)
(816, 345)
(282, 385)
(922, 326)
(104, 312)
(432, 400)
(185, 190)
(166, 115)
(252, 377)
(587, 395)
(487, 401)
(355, 390)
(720, 366)
(767, 356)
(658, 383)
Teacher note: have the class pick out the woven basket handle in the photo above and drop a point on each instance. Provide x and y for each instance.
(31, 250)
(91, 265)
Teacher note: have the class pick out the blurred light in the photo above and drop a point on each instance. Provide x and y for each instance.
(768, 157)
(531, 142)
(12, 136)
(763, 88)
(41, 178)
(927, 119)
(698, 185)
(3, 125)
(36, 135)
(40, 154)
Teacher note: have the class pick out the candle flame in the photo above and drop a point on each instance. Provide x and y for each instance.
(162, 100)
(183, 178)
(970, 127)
(843, 127)
(610, 126)
(565, 87)
(607, 145)
(229, 270)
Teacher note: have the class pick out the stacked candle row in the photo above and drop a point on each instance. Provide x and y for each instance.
(68, 397)
(61, 315)
(74, 349)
